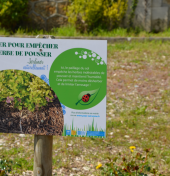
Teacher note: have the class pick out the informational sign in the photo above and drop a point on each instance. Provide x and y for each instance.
(53, 87)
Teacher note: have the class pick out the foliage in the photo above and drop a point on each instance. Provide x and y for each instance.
(13, 13)
(136, 165)
(141, 110)
(5, 167)
(91, 14)
(23, 89)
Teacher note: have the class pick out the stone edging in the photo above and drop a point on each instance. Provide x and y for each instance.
(109, 39)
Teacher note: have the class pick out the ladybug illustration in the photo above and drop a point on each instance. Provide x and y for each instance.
(86, 97)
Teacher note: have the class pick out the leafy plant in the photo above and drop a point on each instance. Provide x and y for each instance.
(13, 13)
(135, 165)
(92, 14)
(24, 90)
(141, 110)
(5, 167)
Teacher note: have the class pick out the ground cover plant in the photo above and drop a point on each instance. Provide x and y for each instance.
(28, 104)
(25, 90)
(138, 109)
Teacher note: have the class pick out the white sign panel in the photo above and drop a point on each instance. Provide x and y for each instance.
(37, 75)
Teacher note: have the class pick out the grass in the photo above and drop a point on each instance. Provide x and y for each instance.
(138, 110)
(70, 31)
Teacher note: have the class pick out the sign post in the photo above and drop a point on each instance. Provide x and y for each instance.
(52, 87)
(43, 146)
(43, 155)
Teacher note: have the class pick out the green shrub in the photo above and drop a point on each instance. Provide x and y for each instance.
(24, 90)
(13, 13)
(88, 15)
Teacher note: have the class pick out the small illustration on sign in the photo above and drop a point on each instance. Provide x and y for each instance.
(87, 98)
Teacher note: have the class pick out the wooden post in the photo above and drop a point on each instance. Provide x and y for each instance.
(43, 155)
(43, 151)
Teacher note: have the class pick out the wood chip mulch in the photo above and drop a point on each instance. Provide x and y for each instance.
(47, 121)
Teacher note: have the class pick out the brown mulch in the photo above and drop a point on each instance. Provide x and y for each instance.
(47, 121)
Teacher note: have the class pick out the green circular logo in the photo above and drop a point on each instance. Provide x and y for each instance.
(78, 77)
